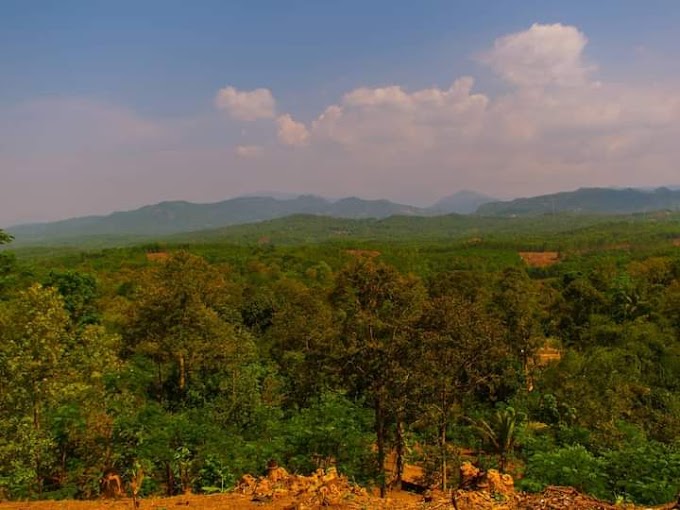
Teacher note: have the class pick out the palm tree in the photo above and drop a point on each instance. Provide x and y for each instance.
(501, 432)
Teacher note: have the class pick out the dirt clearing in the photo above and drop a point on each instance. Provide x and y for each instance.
(540, 258)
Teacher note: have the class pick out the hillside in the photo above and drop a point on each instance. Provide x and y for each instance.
(316, 229)
(461, 202)
(311, 218)
(168, 218)
(588, 201)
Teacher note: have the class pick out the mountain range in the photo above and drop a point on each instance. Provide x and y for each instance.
(176, 217)
(588, 201)
(168, 218)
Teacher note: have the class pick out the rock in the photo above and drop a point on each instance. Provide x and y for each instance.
(322, 488)
(277, 474)
(247, 481)
(468, 471)
(500, 483)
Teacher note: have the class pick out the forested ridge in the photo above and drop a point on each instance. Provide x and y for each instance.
(201, 362)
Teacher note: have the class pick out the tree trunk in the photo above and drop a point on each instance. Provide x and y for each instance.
(442, 443)
(169, 480)
(399, 468)
(182, 373)
(442, 435)
(159, 389)
(380, 437)
(38, 456)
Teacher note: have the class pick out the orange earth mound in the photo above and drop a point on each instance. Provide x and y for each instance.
(540, 258)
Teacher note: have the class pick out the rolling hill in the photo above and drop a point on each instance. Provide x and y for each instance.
(179, 217)
(588, 201)
(168, 218)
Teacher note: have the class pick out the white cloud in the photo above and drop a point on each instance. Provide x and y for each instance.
(249, 151)
(542, 55)
(396, 120)
(558, 124)
(246, 105)
(291, 132)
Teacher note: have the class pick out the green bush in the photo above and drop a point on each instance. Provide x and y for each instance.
(648, 474)
(332, 429)
(572, 465)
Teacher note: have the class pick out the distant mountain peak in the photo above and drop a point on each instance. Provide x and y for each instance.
(461, 202)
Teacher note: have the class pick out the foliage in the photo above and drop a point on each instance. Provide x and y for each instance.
(501, 432)
(571, 465)
(5, 237)
(648, 472)
(333, 430)
(343, 341)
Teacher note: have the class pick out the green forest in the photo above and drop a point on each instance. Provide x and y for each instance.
(200, 359)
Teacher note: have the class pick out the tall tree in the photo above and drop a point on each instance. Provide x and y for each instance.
(184, 317)
(461, 345)
(379, 308)
(517, 307)
(35, 343)
(301, 329)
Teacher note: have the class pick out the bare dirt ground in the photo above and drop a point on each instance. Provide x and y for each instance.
(546, 355)
(363, 253)
(397, 501)
(554, 498)
(280, 490)
(157, 256)
(540, 258)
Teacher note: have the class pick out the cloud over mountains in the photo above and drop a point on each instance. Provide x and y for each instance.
(556, 121)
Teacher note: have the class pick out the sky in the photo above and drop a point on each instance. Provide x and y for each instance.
(113, 105)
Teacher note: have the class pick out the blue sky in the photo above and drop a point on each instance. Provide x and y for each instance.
(110, 105)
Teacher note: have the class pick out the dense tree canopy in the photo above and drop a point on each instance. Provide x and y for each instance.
(197, 365)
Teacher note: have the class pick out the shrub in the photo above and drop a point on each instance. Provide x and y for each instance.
(648, 474)
(572, 465)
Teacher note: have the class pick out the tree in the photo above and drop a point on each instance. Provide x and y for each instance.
(460, 346)
(516, 306)
(501, 433)
(579, 301)
(81, 417)
(379, 308)
(301, 329)
(34, 345)
(184, 317)
(7, 264)
(5, 238)
(52, 402)
(79, 291)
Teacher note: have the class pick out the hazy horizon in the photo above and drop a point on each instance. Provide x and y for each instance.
(109, 107)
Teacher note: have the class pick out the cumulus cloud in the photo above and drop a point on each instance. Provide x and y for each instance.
(246, 105)
(249, 151)
(391, 116)
(542, 55)
(556, 125)
(291, 132)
